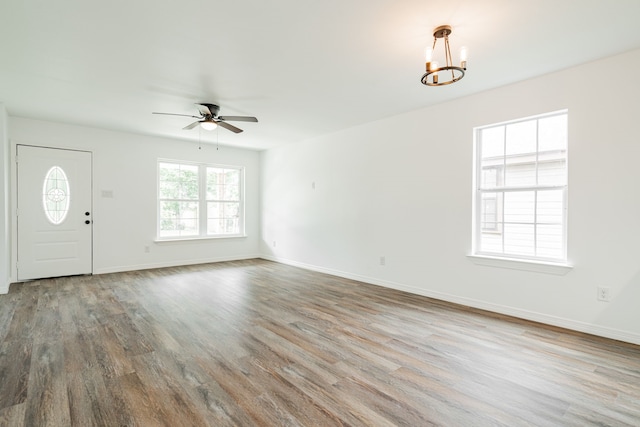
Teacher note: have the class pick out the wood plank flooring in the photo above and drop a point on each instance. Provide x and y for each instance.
(256, 343)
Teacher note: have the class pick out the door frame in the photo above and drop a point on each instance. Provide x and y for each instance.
(14, 204)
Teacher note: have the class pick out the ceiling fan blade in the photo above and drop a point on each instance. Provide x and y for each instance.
(203, 110)
(232, 128)
(208, 109)
(174, 114)
(191, 126)
(239, 118)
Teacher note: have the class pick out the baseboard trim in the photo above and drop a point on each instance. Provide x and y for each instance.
(165, 264)
(4, 288)
(561, 322)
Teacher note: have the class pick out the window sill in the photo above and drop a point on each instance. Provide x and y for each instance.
(197, 238)
(559, 269)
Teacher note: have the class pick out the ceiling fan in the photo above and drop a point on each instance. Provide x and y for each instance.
(209, 118)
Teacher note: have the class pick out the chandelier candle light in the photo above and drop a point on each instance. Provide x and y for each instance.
(431, 77)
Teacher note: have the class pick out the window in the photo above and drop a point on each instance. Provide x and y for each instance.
(198, 200)
(55, 195)
(521, 189)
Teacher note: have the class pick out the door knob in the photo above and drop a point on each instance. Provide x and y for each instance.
(87, 213)
(87, 222)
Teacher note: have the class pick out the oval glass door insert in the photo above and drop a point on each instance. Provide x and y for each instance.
(55, 195)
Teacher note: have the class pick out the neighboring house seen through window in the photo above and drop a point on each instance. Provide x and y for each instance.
(521, 189)
(199, 200)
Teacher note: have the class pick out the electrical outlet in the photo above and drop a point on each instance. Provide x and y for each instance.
(147, 249)
(274, 244)
(604, 293)
(383, 261)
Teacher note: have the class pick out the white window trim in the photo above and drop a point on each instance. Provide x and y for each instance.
(528, 263)
(198, 238)
(202, 201)
(557, 268)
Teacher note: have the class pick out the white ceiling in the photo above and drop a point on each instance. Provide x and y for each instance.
(304, 68)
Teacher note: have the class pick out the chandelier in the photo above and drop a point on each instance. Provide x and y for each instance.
(448, 73)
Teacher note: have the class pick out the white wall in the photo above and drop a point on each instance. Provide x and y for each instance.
(402, 188)
(5, 214)
(126, 165)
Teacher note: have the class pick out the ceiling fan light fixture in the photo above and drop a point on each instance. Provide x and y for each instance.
(210, 120)
(448, 73)
(208, 125)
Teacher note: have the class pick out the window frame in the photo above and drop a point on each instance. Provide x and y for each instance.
(502, 190)
(202, 201)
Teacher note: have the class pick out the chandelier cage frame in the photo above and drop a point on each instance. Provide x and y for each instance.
(439, 76)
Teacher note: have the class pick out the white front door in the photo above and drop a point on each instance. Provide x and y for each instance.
(54, 212)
